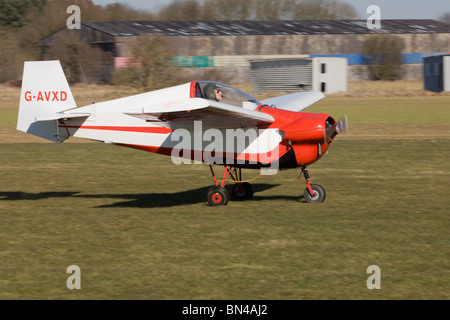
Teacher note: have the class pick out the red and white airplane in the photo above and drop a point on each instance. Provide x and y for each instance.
(195, 122)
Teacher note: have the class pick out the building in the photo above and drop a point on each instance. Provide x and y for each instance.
(327, 75)
(437, 73)
(230, 46)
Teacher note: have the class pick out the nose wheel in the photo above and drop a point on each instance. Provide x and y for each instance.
(314, 193)
(317, 195)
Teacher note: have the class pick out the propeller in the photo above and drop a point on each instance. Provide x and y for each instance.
(342, 125)
(331, 130)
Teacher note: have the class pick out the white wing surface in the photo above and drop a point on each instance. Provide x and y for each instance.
(295, 101)
(212, 114)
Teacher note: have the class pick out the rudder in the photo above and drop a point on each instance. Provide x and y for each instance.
(45, 93)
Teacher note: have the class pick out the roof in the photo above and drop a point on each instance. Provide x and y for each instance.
(285, 27)
(436, 56)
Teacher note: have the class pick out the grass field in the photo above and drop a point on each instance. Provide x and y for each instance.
(139, 227)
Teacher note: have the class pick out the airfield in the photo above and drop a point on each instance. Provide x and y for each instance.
(139, 226)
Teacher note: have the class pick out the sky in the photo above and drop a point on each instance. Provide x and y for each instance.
(390, 9)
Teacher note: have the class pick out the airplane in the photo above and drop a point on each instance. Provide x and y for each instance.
(195, 122)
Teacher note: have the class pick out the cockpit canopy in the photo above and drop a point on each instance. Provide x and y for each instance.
(224, 93)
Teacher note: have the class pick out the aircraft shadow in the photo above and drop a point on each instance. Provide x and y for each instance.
(147, 200)
(34, 196)
(160, 200)
(152, 200)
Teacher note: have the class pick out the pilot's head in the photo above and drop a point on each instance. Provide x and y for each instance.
(212, 92)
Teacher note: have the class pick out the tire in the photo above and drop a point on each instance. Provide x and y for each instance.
(319, 194)
(218, 196)
(242, 192)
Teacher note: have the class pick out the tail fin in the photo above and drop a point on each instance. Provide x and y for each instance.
(45, 94)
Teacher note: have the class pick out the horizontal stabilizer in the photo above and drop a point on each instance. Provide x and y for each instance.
(62, 115)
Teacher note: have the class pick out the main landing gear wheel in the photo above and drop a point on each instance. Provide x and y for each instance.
(242, 191)
(318, 194)
(218, 196)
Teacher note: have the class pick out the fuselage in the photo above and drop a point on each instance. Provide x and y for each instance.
(293, 139)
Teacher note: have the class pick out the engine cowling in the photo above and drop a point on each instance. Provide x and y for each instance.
(307, 128)
(309, 136)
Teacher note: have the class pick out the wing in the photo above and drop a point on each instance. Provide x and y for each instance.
(182, 114)
(295, 101)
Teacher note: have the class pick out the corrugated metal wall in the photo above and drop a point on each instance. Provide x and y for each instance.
(281, 75)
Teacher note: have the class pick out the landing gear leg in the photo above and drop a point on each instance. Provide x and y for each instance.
(314, 193)
(217, 195)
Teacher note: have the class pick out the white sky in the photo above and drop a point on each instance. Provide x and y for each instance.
(390, 9)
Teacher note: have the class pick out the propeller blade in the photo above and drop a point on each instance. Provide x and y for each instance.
(342, 125)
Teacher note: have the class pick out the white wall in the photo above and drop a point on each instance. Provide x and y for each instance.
(330, 75)
(446, 70)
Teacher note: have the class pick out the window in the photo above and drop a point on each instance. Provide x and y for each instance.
(229, 95)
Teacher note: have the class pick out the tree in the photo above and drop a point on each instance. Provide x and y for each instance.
(23, 23)
(257, 10)
(118, 11)
(10, 64)
(76, 57)
(383, 54)
(445, 18)
(189, 10)
(14, 12)
(323, 10)
(151, 67)
(232, 9)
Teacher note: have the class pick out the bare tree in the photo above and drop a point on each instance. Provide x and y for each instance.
(257, 10)
(10, 64)
(23, 23)
(118, 11)
(151, 67)
(232, 9)
(190, 10)
(323, 10)
(445, 18)
(77, 57)
(383, 54)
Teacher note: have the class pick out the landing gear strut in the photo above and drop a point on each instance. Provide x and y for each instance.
(218, 196)
(314, 193)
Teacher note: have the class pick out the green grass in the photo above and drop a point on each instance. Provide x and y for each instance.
(139, 227)
(389, 110)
